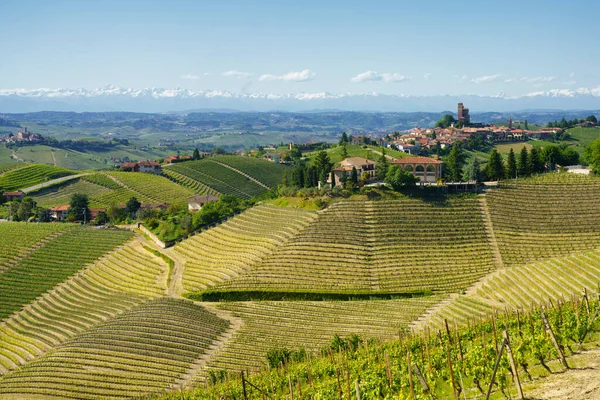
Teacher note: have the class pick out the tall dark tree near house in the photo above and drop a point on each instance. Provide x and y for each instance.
(344, 138)
(472, 171)
(398, 178)
(196, 154)
(132, 206)
(285, 180)
(298, 176)
(344, 150)
(592, 118)
(323, 165)
(354, 175)
(80, 207)
(454, 164)
(536, 166)
(523, 163)
(495, 166)
(511, 165)
(382, 166)
(526, 125)
(332, 178)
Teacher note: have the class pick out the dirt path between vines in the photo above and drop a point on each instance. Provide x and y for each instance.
(582, 382)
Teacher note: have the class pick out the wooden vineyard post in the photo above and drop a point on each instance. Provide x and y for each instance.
(454, 385)
(587, 301)
(590, 323)
(410, 377)
(448, 331)
(513, 366)
(563, 360)
(357, 389)
(421, 378)
(388, 370)
(489, 392)
(339, 385)
(348, 384)
(244, 386)
(291, 388)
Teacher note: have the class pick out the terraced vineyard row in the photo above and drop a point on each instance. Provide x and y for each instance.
(157, 188)
(266, 172)
(52, 263)
(395, 246)
(59, 195)
(31, 175)
(219, 178)
(117, 282)
(545, 217)
(20, 237)
(526, 285)
(235, 246)
(188, 182)
(309, 325)
(144, 350)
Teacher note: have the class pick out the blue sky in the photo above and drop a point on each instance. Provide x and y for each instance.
(393, 47)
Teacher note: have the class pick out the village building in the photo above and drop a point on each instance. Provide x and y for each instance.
(59, 212)
(428, 170)
(150, 167)
(346, 165)
(12, 196)
(196, 203)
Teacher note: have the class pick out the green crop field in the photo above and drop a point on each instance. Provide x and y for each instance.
(104, 313)
(21, 178)
(243, 177)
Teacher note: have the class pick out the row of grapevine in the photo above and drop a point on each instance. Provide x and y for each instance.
(31, 175)
(226, 251)
(188, 182)
(451, 363)
(394, 246)
(115, 283)
(59, 195)
(141, 351)
(264, 171)
(157, 188)
(545, 217)
(52, 263)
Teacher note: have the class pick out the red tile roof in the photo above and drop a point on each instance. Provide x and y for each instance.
(417, 160)
(17, 193)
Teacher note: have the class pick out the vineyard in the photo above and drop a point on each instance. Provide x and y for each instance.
(395, 246)
(33, 174)
(309, 304)
(244, 177)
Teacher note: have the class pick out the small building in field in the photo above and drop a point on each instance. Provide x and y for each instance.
(12, 196)
(130, 167)
(59, 212)
(428, 170)
(196, 203)
(150, 166)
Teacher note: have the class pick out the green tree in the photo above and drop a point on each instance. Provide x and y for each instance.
(79, 207)
(132, 206)
(592, 118)
(332, 179)
(114, 213)
(445, 122)
(344, 151)
(523, 164)
(26, 209)
(526, 125)
(354, 175)
(536, 166)
(592, 156)
(344, 139)
(382, 166)
(398, 178)
(101, 218)
(495, 166)
(454, 164)
(323, 165)
(196, 154)
(511, 165)
(472, 170)
(551, 155)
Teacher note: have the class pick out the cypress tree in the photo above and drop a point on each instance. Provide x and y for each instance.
(535, 163)
(511, 165)
(523, 164)
(354, 175)
(495, 167)
(196, 154)
(454, 164)
(332, 179)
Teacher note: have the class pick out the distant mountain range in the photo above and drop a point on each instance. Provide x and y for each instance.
(112, 98)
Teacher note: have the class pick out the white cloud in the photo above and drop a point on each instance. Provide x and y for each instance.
(486, 79)
(539, 79)
(374, 76)
(301, 76)
(427, 75)
(190, 76)
(237, 74)
(572, 75)
(571, 82)
(206, 74)
(508, 80)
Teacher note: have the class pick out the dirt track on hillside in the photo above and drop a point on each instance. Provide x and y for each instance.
(582, 382)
